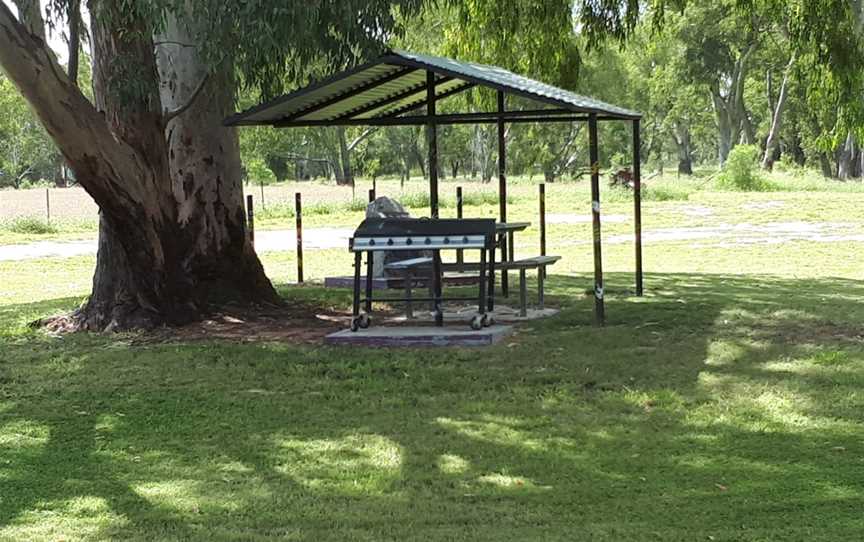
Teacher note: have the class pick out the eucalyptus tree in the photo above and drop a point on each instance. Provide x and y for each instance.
(533, 36)
(151, 150)
(719, 46)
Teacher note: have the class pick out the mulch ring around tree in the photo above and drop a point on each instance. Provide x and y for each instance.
(291, 323)
(294, 323)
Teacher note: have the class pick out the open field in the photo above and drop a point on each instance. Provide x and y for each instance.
(75, 216)
(726, 404)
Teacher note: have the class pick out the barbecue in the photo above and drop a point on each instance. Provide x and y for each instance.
(430, 237)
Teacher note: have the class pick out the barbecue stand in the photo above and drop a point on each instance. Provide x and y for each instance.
(424, 235)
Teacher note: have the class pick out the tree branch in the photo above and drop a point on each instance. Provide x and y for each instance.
(168, 116)
(357, 140)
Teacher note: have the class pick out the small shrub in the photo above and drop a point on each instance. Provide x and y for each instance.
(483, 198)
(665, 193)
(30, 225)
(357, 205)
(649, 192)
(417, 200)
(28, 183)
(741, 170)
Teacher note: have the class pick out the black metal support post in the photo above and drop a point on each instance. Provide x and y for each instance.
(432, 140)
(541, 275)
(437, 294)
(250, 219)
(482, 305)
(371, 195)
(542, 270)
(523, 293)
(370, 267)
(637, 203)
(599, 309)
(490, 290)
(460, 257)
(298, 211)
(542, 219)
(358, 262)
(506, 240)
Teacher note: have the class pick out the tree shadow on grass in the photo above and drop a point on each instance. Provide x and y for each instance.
(717, 406)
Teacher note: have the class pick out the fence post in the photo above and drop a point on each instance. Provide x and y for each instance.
(459, 253)
(298, 208)
(48, 205)
(250, 219)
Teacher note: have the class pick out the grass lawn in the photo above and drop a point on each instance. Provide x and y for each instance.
(727, 404)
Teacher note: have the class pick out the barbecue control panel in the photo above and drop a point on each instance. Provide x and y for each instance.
(430, 242)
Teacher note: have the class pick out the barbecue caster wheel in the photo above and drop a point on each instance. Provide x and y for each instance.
(477, 322)
(360, 322)
(488, 320)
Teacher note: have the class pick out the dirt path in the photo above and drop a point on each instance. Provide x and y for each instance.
(326, 238)
(265, 241)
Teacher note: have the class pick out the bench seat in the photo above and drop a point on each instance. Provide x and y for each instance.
(528, 263)
(537, 262)
(523, 265)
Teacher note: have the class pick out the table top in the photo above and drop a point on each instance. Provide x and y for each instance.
(511, 226)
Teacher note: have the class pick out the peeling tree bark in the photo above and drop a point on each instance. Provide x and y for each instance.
(206, 173)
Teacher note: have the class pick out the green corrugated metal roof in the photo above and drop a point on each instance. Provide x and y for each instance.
(396, 81)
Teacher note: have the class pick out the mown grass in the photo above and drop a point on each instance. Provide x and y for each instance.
(726, 404)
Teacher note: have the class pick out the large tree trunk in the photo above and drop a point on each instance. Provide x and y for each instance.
(773, 142)
(683, 143)
(725, 129)
(846, 159)
(825, 166)
(347, 174)
(148, 272)
(138, 280)
(733, 122)
(206, 174)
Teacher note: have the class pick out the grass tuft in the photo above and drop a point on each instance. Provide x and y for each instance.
(29, 225)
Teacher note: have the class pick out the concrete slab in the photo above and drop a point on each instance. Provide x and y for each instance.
(502, 314)
(416, 336)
